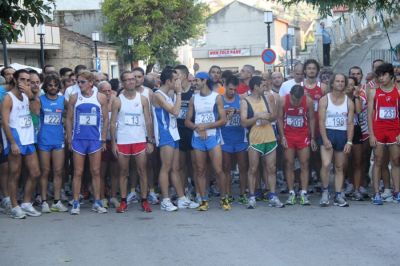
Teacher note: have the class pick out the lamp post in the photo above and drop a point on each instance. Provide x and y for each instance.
(268, 19)
(95, 39)
(291, 34)
(4, 42)
(130, 44)
(41, 32)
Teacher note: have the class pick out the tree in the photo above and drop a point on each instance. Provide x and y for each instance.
(325, 6)
(22, 12)
(156, 26)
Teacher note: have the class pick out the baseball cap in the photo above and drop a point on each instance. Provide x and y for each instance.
(202, 75)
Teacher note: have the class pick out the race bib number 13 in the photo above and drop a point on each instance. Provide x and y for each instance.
(132, 119)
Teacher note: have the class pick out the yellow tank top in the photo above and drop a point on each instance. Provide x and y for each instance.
(260, 134)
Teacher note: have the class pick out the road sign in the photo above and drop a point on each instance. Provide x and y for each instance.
(98, 65)
(268, 56)
(287, 42)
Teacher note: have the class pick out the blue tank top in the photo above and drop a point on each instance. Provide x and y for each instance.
(233, 132)
(51, 130)
(87, 117)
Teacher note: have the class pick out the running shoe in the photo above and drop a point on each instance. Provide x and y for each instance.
(397, 197)
(214, 190)
(166, 205)
(76, 207)
(64, 196)
(231, 199)
(152, 198)
(58, 207)
(275, 202)
(198, 199)
(29, 210)
(114, 202)
(203, 206)
(364, 192)
(243, 199)
(304, 201)
(377, 200)
(224, 203)
(387, 195)
(357, 196)
(98, 207)
(185, 203)
(132, 197)
(38, 200)
(324, 202)
(104, 202)
(291, 199)
(146, 206)
(340, 201)
(45, 207)
(123, 207)
(6, 204)
(17, 213)
(349, 190)
(251, 203)
(259, 195)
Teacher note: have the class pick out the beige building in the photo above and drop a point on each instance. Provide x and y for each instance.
(237, 35)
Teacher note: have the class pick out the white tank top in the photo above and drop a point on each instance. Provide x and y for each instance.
(21, 120)
(205, 111)
(131, 126)
(336, 115)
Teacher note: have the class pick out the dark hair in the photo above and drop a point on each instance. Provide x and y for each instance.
(49, 78)
(385, 68)
(214, 66)
(149, 83)
(346, 81)
(138, 69)
(64, 70)
(355, 67)
(3, 71)
(78, 68)
(355, 80)
(121, 77)
(377, 60)
(232, 80)
(19, 72)
(309, 62)
(167, 74)
(46, 66)
(183, 68)
(256, 80)
(297, 91)
(114, 84)
(226, 74)
(33, 72)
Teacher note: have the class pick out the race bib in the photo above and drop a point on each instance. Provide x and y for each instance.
(52, 119)
(182, 113)
(316, 105)
(88, 120)
(387, 112)
(202, 118)
(172, 121)
(295, 121)
(234, 121)
(335, 121)
(132, 120)
(25, 121)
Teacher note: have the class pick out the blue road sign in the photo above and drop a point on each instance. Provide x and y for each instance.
(268, 56)
(287, 42)
(98, 65)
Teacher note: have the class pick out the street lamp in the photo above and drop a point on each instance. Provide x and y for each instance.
(4, 42)
(41, 32)
(268, 19)
(291, 34)
(95, 39)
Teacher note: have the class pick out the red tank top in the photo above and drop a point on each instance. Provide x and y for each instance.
(295, 118)
(314, 93)
(386, 110)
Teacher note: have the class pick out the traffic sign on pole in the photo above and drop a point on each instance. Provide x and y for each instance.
(287, 42)
(268, 56)
(98, 65)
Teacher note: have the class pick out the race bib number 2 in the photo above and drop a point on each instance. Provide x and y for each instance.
(387, 113)
(88, 119)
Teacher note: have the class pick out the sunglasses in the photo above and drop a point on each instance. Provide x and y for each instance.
(81, 81)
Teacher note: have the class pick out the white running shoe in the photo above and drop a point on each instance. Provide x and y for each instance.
(45, 207)
(152, 198)
(114, 202)
(76, 208)
(6, 204)
(58, 207)
(29, 210)
(18, 213)
(132, 198)
(166, 205)
(387, 195)
(185, 203)
(98, 207)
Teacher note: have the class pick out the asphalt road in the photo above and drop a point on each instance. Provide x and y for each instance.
(362, 234)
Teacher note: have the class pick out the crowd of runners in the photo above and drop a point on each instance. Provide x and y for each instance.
(72, 136)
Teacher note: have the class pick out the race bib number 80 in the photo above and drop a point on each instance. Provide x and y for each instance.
(387, 113)
(88, 119)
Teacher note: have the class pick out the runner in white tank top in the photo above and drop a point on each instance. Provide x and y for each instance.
(129, 118)
(336, 114)
(18, 128)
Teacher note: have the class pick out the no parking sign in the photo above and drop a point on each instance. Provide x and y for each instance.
(268, 56)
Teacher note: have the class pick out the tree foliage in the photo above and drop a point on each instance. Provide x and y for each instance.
(156, 26)
(22, 12)
(325, 7)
